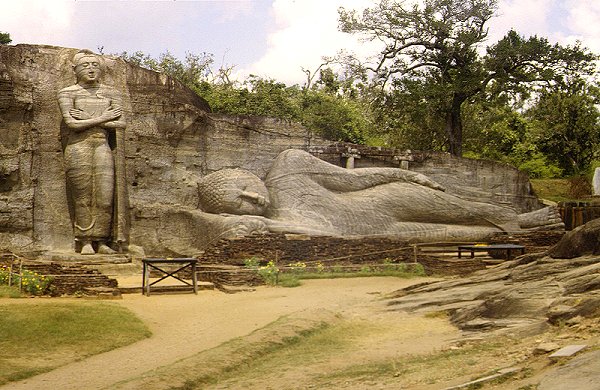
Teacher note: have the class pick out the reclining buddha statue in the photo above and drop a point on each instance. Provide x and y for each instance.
(303, 194)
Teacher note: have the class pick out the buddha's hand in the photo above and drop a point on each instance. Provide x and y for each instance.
(79, 114)
(423, 180)
(112, 113)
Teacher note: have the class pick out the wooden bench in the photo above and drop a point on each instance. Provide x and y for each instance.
(492, 247)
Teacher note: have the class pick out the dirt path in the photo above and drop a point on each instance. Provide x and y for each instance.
(183, 325)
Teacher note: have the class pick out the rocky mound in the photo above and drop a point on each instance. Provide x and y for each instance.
(534, 290)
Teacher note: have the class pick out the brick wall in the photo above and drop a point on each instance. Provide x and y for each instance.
(66, 279)
(289, 248)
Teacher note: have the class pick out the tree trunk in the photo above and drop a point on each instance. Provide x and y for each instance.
(454, 125)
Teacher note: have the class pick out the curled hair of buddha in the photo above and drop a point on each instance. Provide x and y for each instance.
(211, 190)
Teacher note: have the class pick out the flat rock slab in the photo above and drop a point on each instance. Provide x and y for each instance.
(581, 373)
(567, 351)
(479, 382)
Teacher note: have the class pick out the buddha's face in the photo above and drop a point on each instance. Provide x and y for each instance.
(233, 191)
(245, 198)
(88, 69)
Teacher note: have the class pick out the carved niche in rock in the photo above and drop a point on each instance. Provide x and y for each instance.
(303, 194)
(94, 158)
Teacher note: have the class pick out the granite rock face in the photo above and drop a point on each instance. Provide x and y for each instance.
(581, 241)
(171, 140)
(528, 293)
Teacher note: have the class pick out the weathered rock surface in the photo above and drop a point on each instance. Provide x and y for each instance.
(583, 240)
(171, 141)
(581, 373)
(531, 291)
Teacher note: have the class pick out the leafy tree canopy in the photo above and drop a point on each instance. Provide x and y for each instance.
(566, 125)
(436, 48)
(5, 38)
(324, 106)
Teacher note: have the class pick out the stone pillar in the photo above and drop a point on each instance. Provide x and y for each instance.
(350, 162)
(596, 182)
(350, 157)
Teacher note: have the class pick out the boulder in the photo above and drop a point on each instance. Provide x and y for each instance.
(583, 240)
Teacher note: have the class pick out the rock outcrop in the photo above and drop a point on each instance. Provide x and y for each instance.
(530, 292)
(171, 139)
(583, 240)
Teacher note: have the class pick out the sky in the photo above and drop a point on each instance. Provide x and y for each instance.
(269, 38)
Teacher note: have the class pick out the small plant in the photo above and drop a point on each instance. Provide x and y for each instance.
(252, 262)
(30, 282)
(269, 273)
(297, 267)
(320, 267)
(4, 275)
(33, 283)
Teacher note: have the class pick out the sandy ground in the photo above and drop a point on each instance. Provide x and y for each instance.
(185, 324)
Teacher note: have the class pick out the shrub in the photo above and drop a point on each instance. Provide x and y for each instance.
(31, 282)
(269, 273)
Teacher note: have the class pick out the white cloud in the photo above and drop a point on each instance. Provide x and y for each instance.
(31, 20)
(528, 18)
(584, 23)
(563, 22)
(305, 31)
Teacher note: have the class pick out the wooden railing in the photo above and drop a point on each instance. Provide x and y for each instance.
(575, 214)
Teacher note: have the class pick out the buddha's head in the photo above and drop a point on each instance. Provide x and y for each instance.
(87, 67)
(233, 191)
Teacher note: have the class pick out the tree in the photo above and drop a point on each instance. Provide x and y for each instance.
(435, 48)
(192, 71)
(5, 38)
(320, 105)
(566, 125)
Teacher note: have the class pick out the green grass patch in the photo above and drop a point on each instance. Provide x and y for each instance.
(359, 274)
(559, 190)
(317, 343)
(291, 274)
(401, 270)
(556, 190)
(256, 363)
(38, 337)
(438, 366)
(9, 292)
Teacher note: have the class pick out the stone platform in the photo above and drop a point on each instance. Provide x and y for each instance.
(76, 258)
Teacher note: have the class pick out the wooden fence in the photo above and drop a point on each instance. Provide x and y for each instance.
(575, 214)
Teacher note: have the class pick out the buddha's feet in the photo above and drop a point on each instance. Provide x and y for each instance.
(105, 250)
(88, 249)
(548, 217)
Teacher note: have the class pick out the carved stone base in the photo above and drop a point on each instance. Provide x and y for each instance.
(59, 257)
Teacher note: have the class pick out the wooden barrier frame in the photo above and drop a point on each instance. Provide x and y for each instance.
(150, 264)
